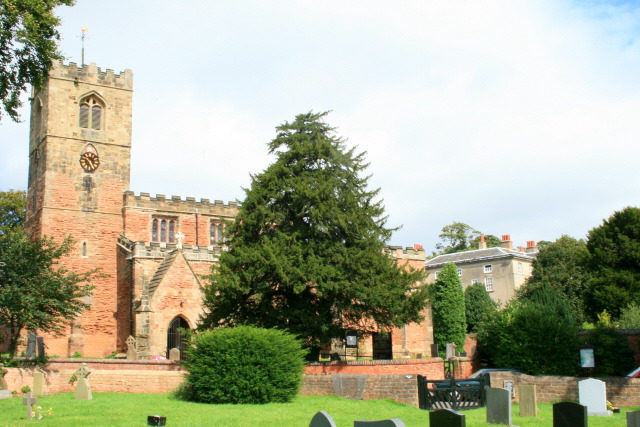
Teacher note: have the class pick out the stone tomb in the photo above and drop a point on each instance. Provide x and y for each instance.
(322, 419)
(498, 406)
(83, 388)
(394, 422)
(446, 418)
(593, 395)
(633, 419)
(569, 414)
(528, 401)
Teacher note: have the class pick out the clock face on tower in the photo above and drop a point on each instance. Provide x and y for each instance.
(89, 161)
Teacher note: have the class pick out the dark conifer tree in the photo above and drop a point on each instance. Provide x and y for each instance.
(306, 250)
(449, 318)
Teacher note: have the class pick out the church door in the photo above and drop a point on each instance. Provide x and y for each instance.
(175, 338)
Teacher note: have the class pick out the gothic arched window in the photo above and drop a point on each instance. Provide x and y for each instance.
(91, 113)
(163, 230)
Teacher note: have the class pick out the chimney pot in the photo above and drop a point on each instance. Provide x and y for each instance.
(506, 241)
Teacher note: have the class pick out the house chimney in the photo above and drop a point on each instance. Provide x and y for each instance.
(417, 247)
(531, 246)
(482, 244)
(521, 248)
(506, 242)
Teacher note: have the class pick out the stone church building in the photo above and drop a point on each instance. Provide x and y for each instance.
(152, 249)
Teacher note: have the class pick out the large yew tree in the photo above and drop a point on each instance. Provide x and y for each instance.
(306, 250)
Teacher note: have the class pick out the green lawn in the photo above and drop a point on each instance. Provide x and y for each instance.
(130, 410)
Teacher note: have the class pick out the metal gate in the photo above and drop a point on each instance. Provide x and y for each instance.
(176, 339)
(451, 394)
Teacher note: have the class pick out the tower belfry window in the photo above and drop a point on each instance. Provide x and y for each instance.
(91, 113)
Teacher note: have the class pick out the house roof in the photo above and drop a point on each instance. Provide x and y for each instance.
(478, 255)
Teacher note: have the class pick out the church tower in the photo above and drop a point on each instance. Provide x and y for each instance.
(79, 169)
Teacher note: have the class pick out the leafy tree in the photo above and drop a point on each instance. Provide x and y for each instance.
(35, 291)
(478, 306)
(537, 336)
(630, 317)
(448, 309)
(456, 237)
(614, 260)
(561, 266)
(13, 208)
(306, 248)
(28, 46)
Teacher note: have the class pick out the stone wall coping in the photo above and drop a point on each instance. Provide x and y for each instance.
(378, 362)
(131, 196)
(116, 362)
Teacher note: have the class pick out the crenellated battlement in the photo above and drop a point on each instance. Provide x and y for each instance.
(410, 253)
(91, 73)
(161, 250)
(176, 204)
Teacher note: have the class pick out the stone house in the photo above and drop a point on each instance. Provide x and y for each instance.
(153, 249)
(502, 269)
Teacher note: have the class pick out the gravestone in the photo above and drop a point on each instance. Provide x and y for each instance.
(593, 395)
(394, 422)
(132, 353)
(569, 414)
(451, 350)
(31, 345)
(156, 420)
(29, 401)
(498, 406)
(40, 345)
(83, 388)
(174, 354)
(528, 401)
(447, 418)
(508, 384)
(322, 419)
(633, 419)
(38, 384)
(434, 350)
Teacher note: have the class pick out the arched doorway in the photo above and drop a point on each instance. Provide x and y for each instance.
(175, 338)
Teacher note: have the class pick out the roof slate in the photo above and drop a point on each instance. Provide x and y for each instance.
(478, 255)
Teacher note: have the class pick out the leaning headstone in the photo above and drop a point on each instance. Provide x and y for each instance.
(83, 388)
(174, 354)
(394, 422)
(29, 401)
(40, 346)
(132, 353)
(322, 419)
(569, 414)
(528, 401)
(593, 395)
(38, 384)
(447, 418)
(498, 406)
(633, 419)
(31, 345)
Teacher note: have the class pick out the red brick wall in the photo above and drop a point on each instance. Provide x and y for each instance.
(623, 392)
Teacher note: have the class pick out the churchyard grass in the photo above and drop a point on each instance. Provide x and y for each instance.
(129, 409)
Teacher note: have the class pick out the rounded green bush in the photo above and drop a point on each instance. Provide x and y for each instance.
(244, 364)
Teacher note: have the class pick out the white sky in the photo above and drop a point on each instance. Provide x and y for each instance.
(515, 117)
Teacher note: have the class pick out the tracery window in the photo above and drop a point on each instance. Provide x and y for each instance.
(163, 230)
(91, 113)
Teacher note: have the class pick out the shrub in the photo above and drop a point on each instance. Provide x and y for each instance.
(478, 305)
(537, 336)
(244, 364)
(613, 356)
